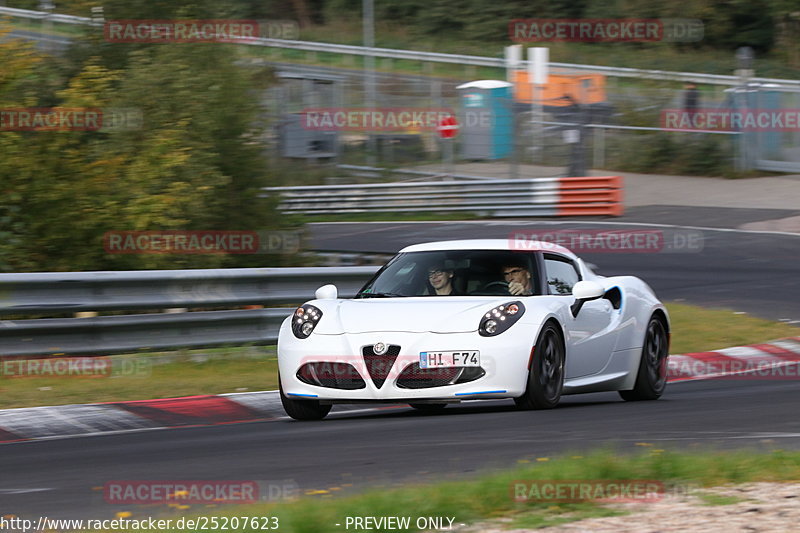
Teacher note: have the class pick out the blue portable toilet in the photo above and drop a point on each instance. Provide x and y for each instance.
(767, 98)
(761, 97)
(487, 120)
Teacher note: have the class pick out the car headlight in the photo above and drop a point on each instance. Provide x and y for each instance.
(304, 320)
(500, 318)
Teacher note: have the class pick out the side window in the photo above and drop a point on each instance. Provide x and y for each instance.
(561, 274)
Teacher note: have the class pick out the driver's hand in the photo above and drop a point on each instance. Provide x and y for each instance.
(516, 288)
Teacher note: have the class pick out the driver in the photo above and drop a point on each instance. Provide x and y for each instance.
(441, 279)
(518, 278)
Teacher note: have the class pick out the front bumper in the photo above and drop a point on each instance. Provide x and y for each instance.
(504, 360)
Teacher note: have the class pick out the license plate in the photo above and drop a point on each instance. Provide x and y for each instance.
(449, 359)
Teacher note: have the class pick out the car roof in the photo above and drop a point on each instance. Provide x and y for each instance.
(512, 245)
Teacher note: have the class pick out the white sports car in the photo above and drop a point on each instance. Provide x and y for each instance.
(449, 321)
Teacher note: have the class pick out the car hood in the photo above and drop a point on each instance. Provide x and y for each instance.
(417, 315)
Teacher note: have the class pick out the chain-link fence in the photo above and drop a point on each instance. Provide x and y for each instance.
(502, 134)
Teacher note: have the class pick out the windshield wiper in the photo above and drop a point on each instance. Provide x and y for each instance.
(381, 295)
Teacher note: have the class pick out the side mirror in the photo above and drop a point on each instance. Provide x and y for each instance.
(327, 292)
(583, 291)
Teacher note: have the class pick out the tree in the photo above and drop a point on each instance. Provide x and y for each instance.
(193, 165)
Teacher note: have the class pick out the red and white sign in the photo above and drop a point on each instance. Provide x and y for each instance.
(448, 127)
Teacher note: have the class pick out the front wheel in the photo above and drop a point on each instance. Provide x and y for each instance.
(303, 409)
(651, 380)
(546, 375)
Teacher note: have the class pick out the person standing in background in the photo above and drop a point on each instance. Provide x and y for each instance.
(691, 100)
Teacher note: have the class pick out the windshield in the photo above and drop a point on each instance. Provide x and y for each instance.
(453, 273)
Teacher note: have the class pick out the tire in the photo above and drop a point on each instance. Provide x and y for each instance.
(303, 409)
(651, 379)
(428, 407)
(546, 375)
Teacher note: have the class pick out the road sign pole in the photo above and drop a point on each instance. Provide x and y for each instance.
(448, 128)
(447, 153)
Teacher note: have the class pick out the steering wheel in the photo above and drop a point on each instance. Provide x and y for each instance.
(496, 286)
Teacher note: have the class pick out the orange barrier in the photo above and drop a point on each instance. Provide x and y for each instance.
(590, 196)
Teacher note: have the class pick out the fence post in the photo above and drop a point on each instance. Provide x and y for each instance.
(598, 161)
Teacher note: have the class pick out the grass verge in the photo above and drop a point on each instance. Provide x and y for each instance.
(147, 376)
(491, 496)
(240, 369)
(698, 329)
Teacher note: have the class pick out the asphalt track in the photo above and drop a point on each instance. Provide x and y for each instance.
(57, 478)
(753, 272)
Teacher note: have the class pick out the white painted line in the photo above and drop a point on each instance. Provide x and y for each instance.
(24, 491)
(752, 436)
(94, 434)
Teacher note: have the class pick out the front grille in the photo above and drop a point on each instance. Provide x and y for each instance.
(414, 377)
(379, 366)
(332, 375)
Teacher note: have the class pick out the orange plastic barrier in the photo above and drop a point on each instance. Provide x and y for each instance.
(591, 196)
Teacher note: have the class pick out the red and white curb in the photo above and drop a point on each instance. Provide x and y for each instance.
(774, 360)
(770, 361)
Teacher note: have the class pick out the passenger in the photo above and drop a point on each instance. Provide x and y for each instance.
(441, 279)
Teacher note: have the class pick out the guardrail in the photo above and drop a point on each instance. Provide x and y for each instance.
(68, 292)
(498, 198)
(57, 293)
(44, 15)
(435, 57)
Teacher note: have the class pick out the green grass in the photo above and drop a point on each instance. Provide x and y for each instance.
(562, 514)
(192, 372)
(240, 369)
(697, 329)
(488, 496)
(711, 498)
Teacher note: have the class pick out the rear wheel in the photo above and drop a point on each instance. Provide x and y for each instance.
(428, 407)
(651, 380)
(303, 409)
(546, 375)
